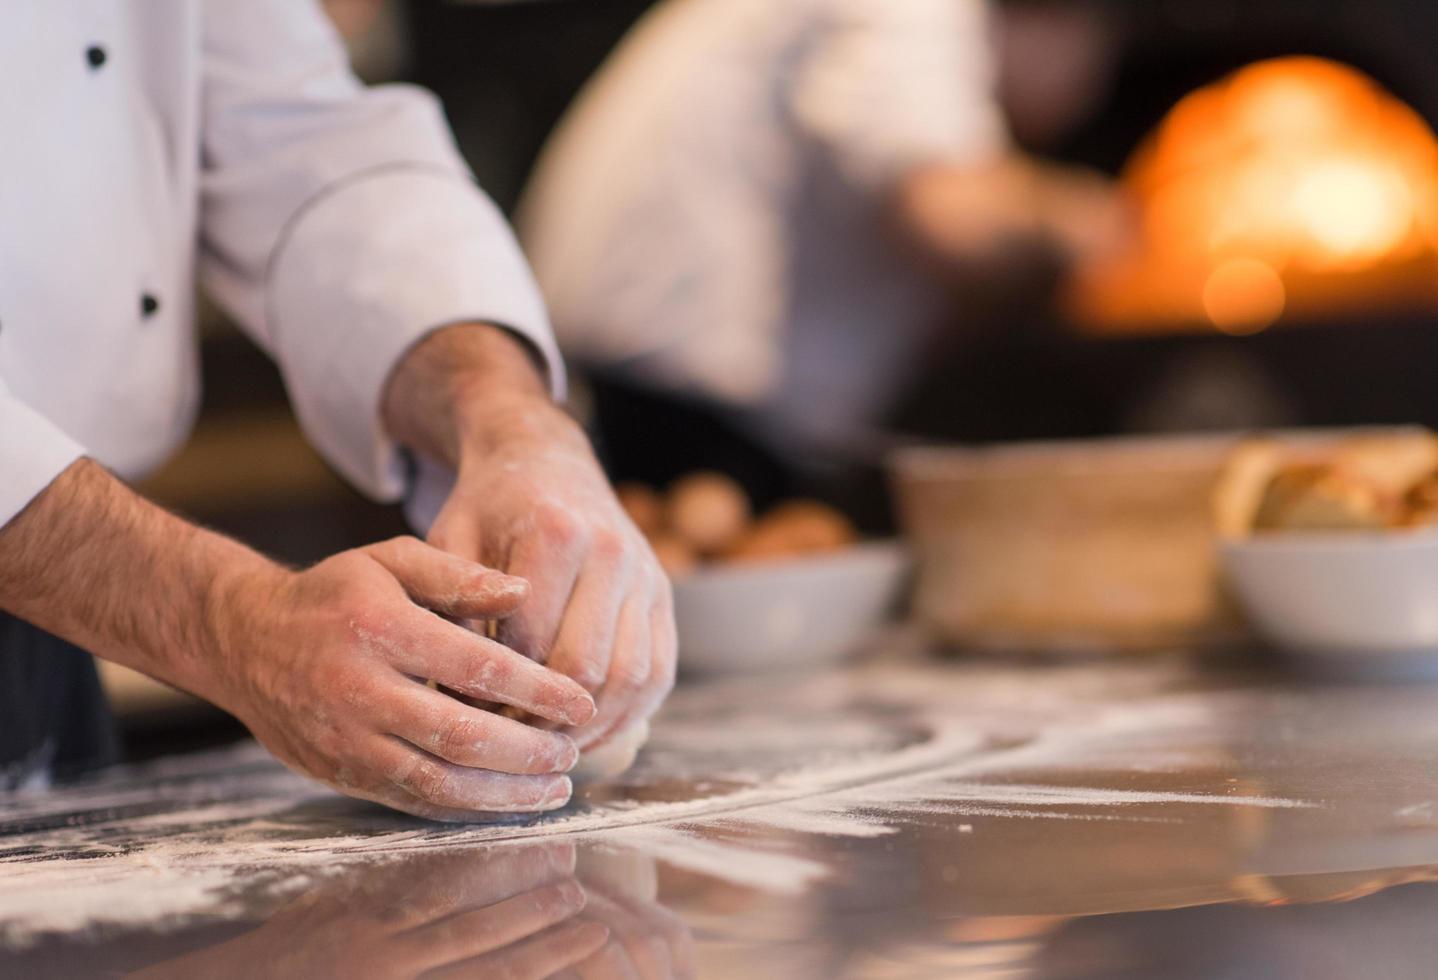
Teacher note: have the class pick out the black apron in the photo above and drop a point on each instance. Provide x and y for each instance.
(54, 721)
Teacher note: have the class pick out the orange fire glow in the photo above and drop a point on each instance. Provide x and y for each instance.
(1292, 187)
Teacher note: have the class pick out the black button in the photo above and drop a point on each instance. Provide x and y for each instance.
(149, 305)
(95, 55)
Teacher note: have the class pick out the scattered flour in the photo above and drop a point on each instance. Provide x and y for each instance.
(734, 775)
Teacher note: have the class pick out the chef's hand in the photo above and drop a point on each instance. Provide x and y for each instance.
(968, 219)
(1085, 213)
(502, 912)
(325, 667)
(532, 501)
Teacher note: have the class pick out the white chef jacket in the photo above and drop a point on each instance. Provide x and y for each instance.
(142, 143)
(709, 217)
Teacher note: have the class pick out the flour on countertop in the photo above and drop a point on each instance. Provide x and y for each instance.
(853, 754)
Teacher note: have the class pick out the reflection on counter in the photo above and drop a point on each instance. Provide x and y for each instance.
(527, 911)
(894, 820)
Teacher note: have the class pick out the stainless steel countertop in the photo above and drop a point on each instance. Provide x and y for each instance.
(907, 818)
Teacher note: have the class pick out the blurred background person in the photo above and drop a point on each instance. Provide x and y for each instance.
(758, 217)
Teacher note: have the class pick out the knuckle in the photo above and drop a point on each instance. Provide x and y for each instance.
(608, 546)
(368, 630)
(654, 946)
(632, 674)
(489, 675)
(557, 523)
(456, 737)
(429, 782)
(559, 898)
(588, 674)
(475, 579)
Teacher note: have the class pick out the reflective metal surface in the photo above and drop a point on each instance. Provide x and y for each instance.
(912, 819)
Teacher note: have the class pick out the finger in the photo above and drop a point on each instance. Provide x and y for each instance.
(631, 875)
(645, 947)
(447, 583)
(609, 962)
(481, 668)
(456, 529)
(468, 736)
(438, 785)
(671, 930)
(550, 559)
(585, 642)
(628, 672)
(656, 941)
(534, 958)
(663, 650)
(478, 931)
(441, 885)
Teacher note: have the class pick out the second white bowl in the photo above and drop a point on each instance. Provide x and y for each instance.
(786, 613)
(1351, 596)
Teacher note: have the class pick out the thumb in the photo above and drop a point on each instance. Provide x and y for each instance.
(448, 584)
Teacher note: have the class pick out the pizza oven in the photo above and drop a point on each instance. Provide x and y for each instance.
(1281, 158)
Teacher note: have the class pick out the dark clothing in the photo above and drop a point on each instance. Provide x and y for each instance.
(656, 437)
(53, 716)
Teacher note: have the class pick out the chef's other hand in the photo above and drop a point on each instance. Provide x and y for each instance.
(977, 221)
(530, 499)
(327, 667)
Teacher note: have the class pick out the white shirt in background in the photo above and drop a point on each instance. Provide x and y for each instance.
(709, 216)
(149, 142)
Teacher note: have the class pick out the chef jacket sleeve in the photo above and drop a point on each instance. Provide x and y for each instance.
(33, 451)
(339, 225)
(889, 86)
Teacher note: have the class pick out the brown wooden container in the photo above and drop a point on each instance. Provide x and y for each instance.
(1097, 545)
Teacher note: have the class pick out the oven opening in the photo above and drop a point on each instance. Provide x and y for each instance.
(1292, 190)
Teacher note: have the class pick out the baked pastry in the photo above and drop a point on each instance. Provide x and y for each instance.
(1319, 498)
(1361, 484)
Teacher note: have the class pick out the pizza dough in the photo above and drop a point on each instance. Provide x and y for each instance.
(613, 757)
(708, 510)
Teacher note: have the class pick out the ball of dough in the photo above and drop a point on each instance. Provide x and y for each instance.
(643, 505)
(799, 527)
(709, 510)
(613, 757)
(762, 542)
(812, 526)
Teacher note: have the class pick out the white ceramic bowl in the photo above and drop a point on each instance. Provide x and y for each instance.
(1351, 598)
(787, 613)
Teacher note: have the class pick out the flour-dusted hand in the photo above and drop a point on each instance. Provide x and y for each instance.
(326, 668)
(531, 500)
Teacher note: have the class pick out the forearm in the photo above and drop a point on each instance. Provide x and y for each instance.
(454, 384)
(961, 218)
(96, 564)
(975, 222)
